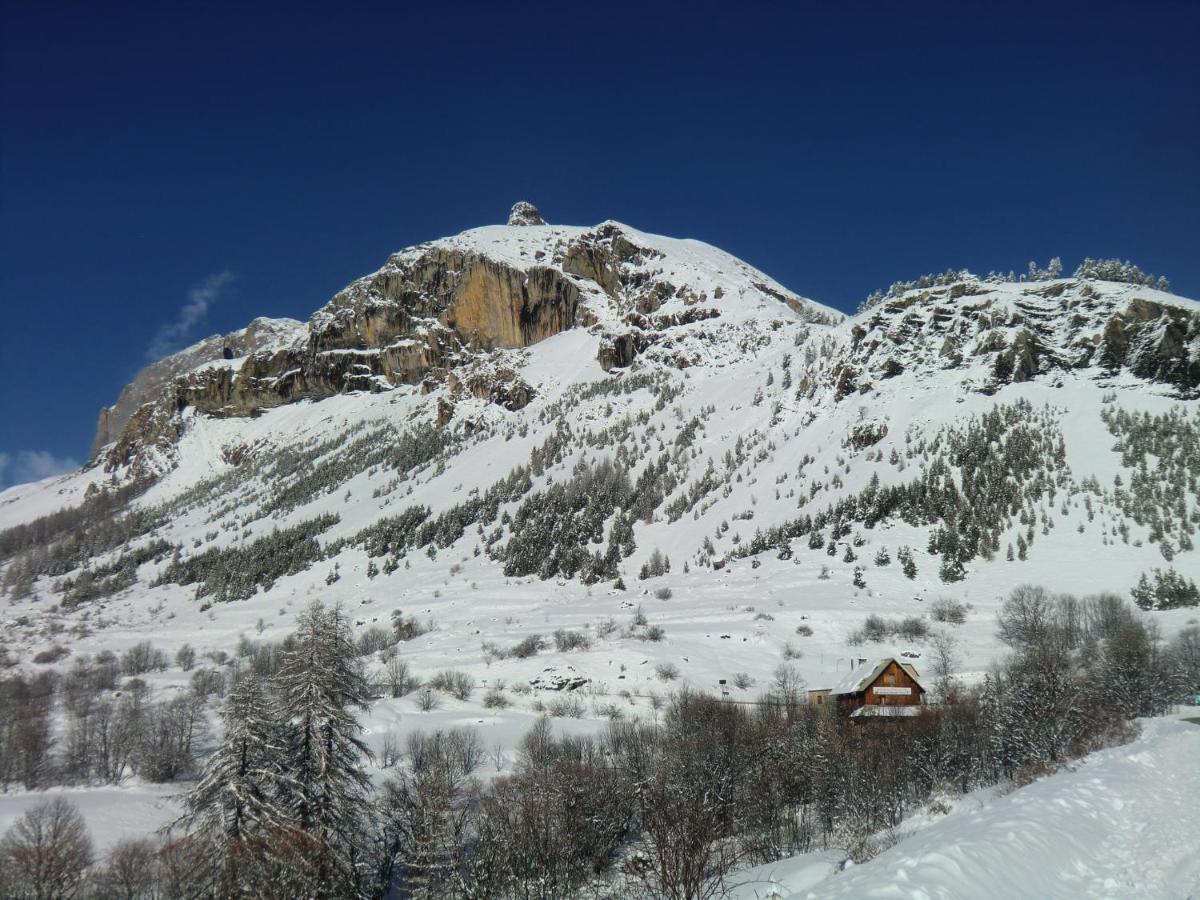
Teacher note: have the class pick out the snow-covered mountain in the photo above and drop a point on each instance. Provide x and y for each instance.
(495, 428)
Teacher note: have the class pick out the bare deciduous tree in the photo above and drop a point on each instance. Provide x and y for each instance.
(48, 851)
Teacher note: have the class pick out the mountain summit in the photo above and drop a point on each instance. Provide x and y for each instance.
(524, 213)
(442, 312)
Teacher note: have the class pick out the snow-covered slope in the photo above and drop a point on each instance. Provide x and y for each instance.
(1120, 823)
(798, 470)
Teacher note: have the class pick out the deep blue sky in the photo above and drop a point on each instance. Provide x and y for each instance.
(147, 148)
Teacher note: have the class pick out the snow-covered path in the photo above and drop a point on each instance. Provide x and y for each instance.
(1124, 823)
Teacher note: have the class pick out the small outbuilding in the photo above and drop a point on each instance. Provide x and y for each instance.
(879, 688)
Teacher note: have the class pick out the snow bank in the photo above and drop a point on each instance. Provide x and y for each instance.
(1122, 823)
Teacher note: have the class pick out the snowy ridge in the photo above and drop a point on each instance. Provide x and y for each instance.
(738, 289)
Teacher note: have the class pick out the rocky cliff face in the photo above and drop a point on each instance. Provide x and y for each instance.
(397, 326)
(261, 335)
(443, 314)
(445, 306)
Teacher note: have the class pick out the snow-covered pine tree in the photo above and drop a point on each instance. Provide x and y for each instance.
(238, 797)
(319, 683)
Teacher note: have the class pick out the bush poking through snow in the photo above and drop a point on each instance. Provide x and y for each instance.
(527, 647)
(565, 707)
(653, 634)
(458, 685)
(949, 611)
(52, 655)
(375, 639)
(876, 629)
(398, 677)
(496, 699)
(405, 628)
(666, 671)
(566, 640)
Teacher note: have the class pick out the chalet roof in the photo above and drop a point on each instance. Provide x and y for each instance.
(860, 677)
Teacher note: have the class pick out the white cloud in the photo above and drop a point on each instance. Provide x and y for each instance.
(174, 336)
(32, 465)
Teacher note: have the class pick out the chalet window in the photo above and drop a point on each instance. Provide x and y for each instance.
(889, 679)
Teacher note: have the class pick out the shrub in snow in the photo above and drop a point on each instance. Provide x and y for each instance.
(565, 640)
(566, 707)
(667, 671)
(653, 633)
(457, 684)
(374, 639)
(405, 628)
(398, 677)
(495, 699)
(945, 609)
(527, 647)
(52, 655)
(143, 657)
(185, 657)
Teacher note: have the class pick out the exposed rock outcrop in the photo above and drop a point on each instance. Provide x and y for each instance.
(1017, 336)
(259, 336)
(450, 306)
(525, 213)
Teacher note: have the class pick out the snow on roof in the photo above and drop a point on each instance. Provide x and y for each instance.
(862, 675)
(872, 710)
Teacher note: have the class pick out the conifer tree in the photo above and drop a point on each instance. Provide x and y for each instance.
(236, 794)
(319, 684)
(238, 797)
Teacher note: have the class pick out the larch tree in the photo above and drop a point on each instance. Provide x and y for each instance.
(319, 685)
(239, 794)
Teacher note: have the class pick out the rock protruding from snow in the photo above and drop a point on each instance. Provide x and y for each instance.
(525, 213)
(263, 335)
(553, 680)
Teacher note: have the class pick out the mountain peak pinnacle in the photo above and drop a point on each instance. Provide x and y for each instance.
(525, 213)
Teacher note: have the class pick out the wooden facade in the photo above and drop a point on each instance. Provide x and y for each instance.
(881, 688)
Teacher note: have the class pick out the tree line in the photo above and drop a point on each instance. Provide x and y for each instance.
(286, 805)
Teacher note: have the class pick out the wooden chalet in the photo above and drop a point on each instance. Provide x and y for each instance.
(879, 688)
